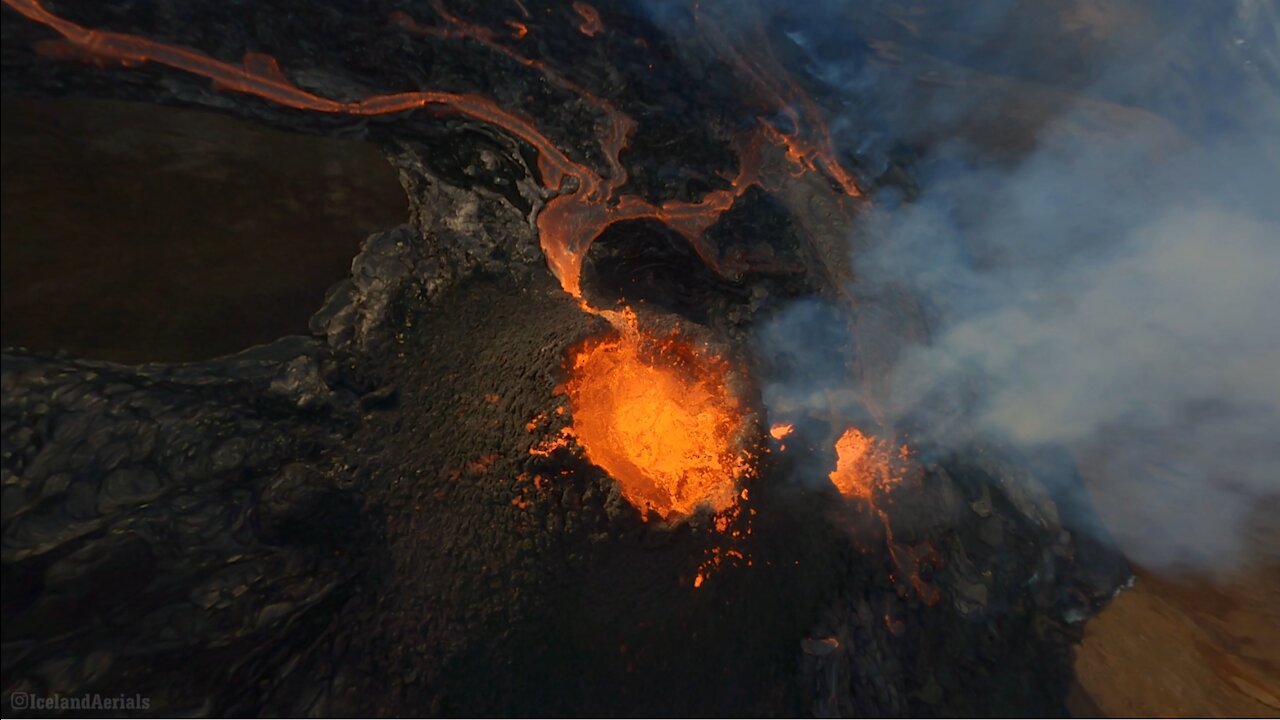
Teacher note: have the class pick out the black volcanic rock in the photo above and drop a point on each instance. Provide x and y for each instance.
(353, 524)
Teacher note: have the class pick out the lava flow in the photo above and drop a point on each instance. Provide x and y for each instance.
(576, 214)
(660, 417)
(805, 138)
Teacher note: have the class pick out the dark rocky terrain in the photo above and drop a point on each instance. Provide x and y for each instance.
(351, 522)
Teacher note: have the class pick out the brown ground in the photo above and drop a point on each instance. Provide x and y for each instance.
(1170, 648)
(1181, 644)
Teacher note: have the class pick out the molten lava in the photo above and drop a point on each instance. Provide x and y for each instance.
(576, 213)
(659, 416)
(781, 430)
(864, 465)
(804, 137)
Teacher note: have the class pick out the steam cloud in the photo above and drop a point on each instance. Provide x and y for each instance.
(1096, 239)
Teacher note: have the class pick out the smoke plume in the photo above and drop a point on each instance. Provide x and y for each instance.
(1093, 227)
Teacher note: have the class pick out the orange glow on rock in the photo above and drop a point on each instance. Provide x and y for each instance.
(550, 445)
(591, 24)
(518, 29)
(805, 137)
(659, 416)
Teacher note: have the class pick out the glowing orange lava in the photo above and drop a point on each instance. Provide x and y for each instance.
(781, 430)
(864, 465)
(660, 418)
(577, 213)
(805, 138)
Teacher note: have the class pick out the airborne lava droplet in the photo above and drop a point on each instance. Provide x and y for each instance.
(660, 417)
(781, 430)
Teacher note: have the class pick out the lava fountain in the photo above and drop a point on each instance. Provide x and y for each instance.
(865, 465)
(661, 418)
(866, 469)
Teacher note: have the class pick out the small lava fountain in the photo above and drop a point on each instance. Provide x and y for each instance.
(865, 465)
(867, 468)
(660, 417)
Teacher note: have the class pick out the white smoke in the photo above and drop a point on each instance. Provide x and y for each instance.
(1115, 289)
